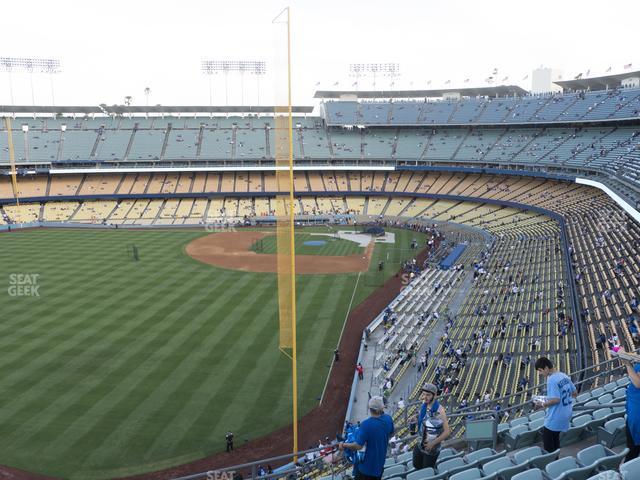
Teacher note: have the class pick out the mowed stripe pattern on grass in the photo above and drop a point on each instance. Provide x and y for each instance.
(120, 367)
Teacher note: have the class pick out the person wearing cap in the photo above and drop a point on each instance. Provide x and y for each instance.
(633, 409)
(433, 428)
(374, 433)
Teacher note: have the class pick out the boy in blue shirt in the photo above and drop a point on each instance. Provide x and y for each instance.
(558, 402)
(374, 433)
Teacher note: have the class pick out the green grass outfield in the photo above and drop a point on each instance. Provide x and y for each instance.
(333, 246)
(121, 367)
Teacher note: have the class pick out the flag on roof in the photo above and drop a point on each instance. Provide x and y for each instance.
(505, 79)
(525, 77)
(336, 84)
(429, 82)
(354, 84)
(466, 80)
(628, 66)
(578, 77)
(447, 82)
(608, 70)
(318, 83)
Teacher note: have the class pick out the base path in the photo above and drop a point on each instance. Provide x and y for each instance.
(232, 250)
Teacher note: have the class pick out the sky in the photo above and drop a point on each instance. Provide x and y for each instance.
(110, 50)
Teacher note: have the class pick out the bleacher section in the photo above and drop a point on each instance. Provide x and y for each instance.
(601, 234)
(600, 105)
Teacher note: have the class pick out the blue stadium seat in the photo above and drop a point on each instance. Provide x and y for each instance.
(535, 457)
(567, 468)
(612, 433)
(630, 470)
(503, 468)
(601, 457)
(484, 455)
(533, 474)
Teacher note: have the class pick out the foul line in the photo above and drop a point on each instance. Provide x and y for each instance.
(344, 324)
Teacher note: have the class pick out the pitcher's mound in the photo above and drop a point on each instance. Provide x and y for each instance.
(232, 250)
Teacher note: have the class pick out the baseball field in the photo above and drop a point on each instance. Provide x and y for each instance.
(113, 366)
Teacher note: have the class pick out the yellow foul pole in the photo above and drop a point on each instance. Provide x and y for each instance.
(294, 349)
(285, 216)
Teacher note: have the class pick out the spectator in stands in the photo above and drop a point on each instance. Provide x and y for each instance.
(633, 409)
(558, 402)
(433, 428)
(374, 433)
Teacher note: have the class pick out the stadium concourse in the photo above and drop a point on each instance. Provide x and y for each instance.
(543, 191)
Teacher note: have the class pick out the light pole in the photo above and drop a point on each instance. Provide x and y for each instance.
(364, 69)
(213, 67)
(49, 66)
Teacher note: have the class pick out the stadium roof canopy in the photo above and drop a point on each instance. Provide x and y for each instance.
(597, 83)
(162, 109)
(497, 91)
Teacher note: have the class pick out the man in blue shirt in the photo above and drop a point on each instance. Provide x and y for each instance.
(558, 402)
(633, 409)
(374, 433)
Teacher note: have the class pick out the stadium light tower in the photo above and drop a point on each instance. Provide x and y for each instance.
(213, 67)
(50, 66)
(375, 69)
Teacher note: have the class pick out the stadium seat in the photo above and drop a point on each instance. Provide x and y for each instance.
(630, 470)
(519, 421)
(567, 468)
(623, 382)
(453, 465)
(612, 433)
(535, 457)
(606, 398)
(525, 437)
(573, 435)
(446, 453)
(470, 474)
(512, 438)
(601, 457)
(422, 474)
(600, 417)
(394, 471)
(606, 475)
(619, 394)
(537, 415)
(583, 397)
(503, 468)
(533, 474)
(484, 455)
(610, 387)
(405, 457)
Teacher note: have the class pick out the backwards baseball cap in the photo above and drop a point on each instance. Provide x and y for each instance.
(430, 387)
(376, 403)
